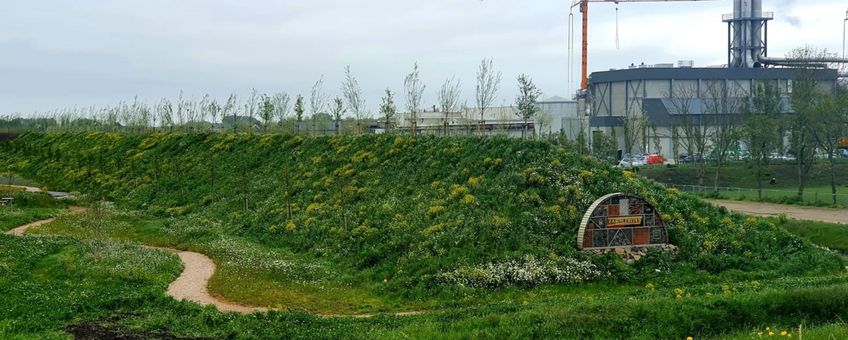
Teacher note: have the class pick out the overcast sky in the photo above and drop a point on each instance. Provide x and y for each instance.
(56, 54)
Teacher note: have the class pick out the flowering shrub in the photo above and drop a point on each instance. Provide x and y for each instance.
(526, 272)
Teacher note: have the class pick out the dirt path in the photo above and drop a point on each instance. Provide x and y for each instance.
(20, 231)
(192, 283)
(829, 215)
(26, 188)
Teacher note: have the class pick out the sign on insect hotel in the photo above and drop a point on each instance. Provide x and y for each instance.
(621, 221)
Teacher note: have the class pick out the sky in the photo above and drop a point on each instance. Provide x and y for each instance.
(57, 54)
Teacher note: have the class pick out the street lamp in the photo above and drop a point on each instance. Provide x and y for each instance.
(844, 24)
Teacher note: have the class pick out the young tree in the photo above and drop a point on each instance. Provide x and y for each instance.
(721, 105)
(633, 126)
(266, 111)
(250, 108)
(760, 129)
(298, 112)
(804, 99)
(230, 109)
(317, 101)
(693, 128)
(449, 100)
(488, 82)
(828, 119)
(388, 110)
(282, 104)
(214, 110)
(545, 120)
(354, 99)
(655, 139)
(336, 111)
(604, 146)
(166, 113)
(414, 88)
(528, 94)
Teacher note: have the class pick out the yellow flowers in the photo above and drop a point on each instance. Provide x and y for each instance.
(679, 293)
(312, 207)
(435, 210)
(468, 199)
(458, 191)
(290, 226)
(475, 181)
(433, 229)
(690, 338)
(554, 210)
(772, 332)
(650, 287)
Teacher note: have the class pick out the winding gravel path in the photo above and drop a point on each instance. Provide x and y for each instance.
(192, 283)
(828, 215)
(194, 280)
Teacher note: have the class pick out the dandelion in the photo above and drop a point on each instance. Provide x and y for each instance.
(771, 333)
(783, 333)
(690, 338)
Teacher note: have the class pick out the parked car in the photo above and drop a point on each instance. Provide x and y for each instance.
(655, 159)
(690, 159)
(633, 161)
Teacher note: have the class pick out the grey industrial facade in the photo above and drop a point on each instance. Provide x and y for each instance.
(655, 92)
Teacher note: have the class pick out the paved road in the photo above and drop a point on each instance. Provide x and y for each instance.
(829, 215)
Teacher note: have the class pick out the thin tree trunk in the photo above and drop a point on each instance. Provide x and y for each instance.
(832, 177)
(717, 171)
(759, 181)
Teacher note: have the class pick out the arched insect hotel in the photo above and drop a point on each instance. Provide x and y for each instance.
(621, 221)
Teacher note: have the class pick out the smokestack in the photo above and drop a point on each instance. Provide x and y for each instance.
(747, 25)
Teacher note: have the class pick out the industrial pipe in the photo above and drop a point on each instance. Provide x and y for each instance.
(770, 60)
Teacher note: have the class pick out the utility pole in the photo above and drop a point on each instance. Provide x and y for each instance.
(844, 24)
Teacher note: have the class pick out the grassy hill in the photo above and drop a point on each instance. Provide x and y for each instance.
(424, 213)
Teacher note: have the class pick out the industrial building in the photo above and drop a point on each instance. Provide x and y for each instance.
(663, 95)
(557, 115)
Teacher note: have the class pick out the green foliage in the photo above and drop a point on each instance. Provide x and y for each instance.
(408, 208)
(26, 207)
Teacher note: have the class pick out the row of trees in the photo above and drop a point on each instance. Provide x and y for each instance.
(804, 118)
(261, 112)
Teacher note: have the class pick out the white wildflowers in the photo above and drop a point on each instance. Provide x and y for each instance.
(526, 272)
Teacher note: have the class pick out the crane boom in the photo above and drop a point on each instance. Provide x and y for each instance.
(584, 8)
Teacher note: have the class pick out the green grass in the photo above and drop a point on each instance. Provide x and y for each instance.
(832, 331)
(833, 236)
(51, 284)
(410, 209)
(26, 208)
(742, 175)
(316, 224)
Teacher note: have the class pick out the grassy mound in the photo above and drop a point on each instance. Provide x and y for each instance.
(423, 213)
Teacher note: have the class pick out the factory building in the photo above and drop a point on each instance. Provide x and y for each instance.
(666, 96)
(663, 97)
(556, 115)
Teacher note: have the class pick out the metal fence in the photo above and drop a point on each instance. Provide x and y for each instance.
(810, 196)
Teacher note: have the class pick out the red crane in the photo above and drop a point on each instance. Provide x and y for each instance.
(584, 8)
